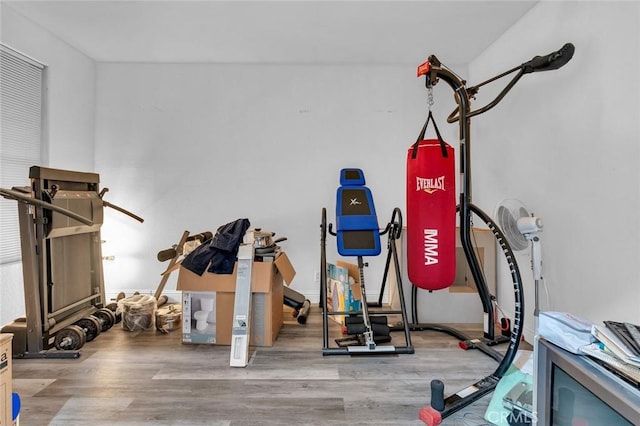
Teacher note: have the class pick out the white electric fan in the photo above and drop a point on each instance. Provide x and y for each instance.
(519, 227)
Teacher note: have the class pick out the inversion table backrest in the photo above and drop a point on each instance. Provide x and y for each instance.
(357, 228)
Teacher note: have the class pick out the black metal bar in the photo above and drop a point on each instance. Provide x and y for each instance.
(518, 291)
(30, 272)
(379, 350)
(498, 98)
(474, 89)
(480, 388)
(18, 196)
(51, 355)
(372, 312)
(323, 280)
(121, 210)
(464, 207)
(67, 308)
(384, 279)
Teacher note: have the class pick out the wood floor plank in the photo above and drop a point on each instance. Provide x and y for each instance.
(149, 378)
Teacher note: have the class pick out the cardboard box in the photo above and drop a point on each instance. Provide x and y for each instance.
(354, 288)
(6, 380)
(343, 296)
(266, 302)
(192, 302)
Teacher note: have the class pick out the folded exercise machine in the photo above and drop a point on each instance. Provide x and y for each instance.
(435, 71)
(358, 234)
(60, 217)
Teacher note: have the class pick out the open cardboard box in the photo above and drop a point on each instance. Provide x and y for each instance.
(266, 302)
(341, 295)
(355, 273)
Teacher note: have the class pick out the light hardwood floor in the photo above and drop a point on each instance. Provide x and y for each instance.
(149, 378)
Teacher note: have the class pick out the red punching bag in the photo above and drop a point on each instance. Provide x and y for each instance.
(431, 213)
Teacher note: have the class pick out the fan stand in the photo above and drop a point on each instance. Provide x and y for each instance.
(536, 267)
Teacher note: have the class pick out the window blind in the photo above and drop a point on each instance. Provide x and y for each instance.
(21, 137)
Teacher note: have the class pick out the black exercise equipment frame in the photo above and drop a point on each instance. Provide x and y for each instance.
(393, 230)
(435, 71)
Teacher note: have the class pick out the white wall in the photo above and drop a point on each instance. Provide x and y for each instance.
(192, 147)
(71, 113)
(571, 141)
(71, 91)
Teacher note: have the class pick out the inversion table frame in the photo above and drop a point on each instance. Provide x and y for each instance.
(60, 217)
(360, 221)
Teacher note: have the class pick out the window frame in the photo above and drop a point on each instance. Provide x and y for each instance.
(28, 78)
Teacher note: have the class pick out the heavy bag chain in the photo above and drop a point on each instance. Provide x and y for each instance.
(430, 97)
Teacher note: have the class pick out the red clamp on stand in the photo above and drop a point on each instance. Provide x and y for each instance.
(468, 344)
(432, 414)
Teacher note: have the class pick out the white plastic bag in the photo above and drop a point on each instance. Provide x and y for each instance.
(565, 330)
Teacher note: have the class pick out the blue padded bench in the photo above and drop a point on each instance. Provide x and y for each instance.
(357, 229)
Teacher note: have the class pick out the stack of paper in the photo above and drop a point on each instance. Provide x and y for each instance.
(615, 345)
(614, 353)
